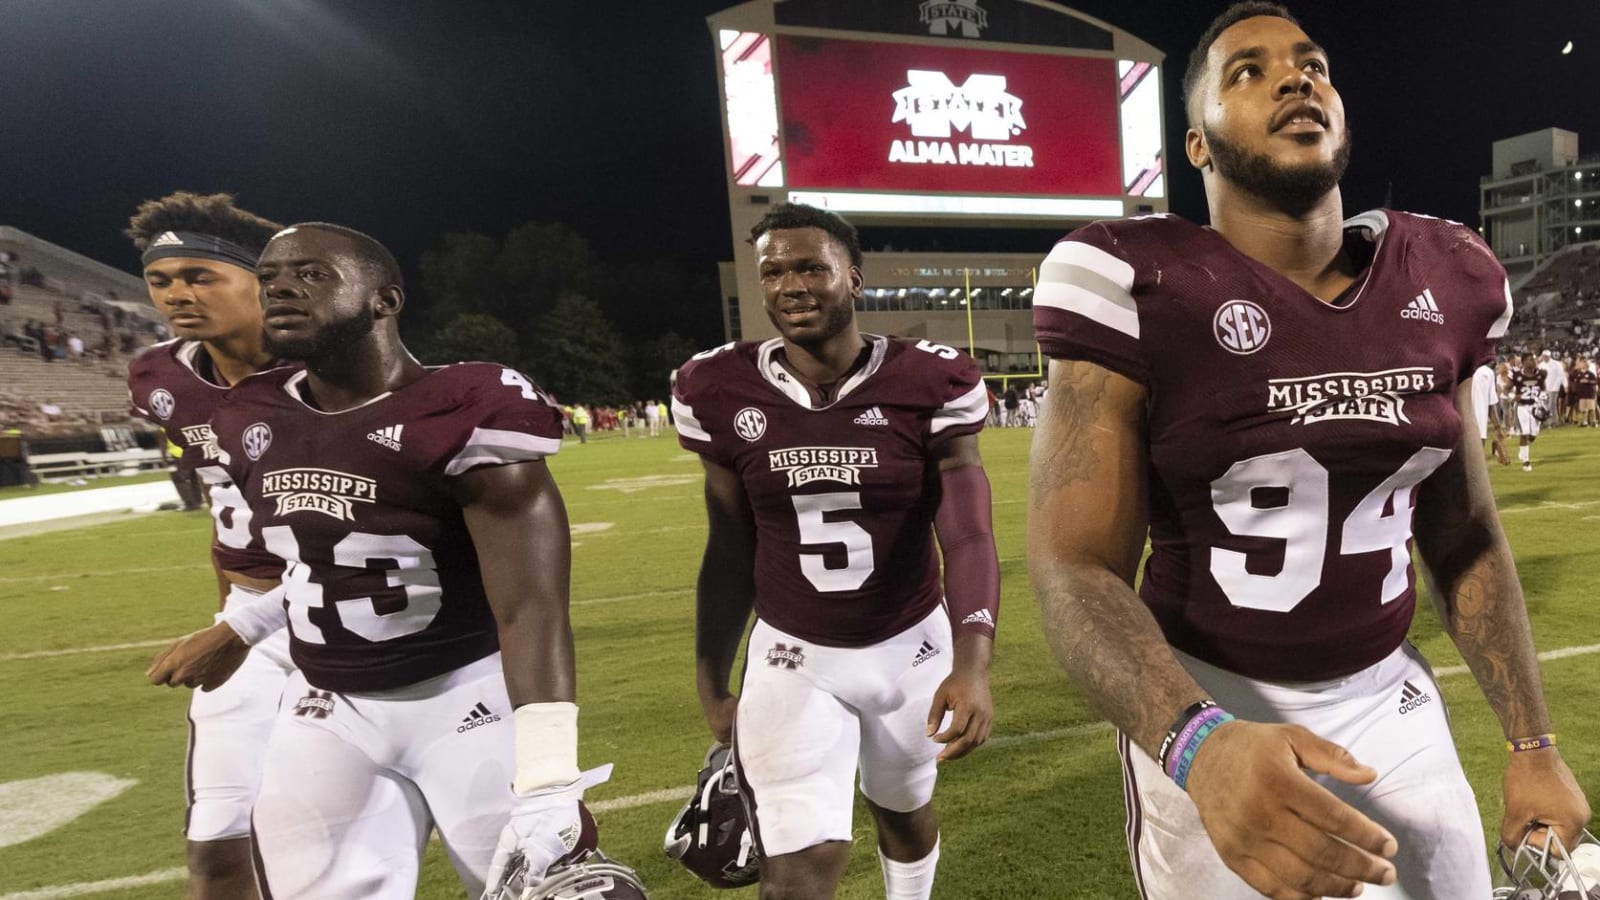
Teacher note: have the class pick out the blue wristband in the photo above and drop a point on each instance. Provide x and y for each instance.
(1186, 753)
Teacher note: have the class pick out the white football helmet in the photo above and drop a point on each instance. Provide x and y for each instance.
(594, 877)
(1551, 871)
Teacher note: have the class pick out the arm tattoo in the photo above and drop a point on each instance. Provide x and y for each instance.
(1074, 401)
(1086, 530)
(1111, 647)
(1478, 596)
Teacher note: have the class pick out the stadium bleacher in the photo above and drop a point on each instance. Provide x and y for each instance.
(71, 410)
(1559, 304)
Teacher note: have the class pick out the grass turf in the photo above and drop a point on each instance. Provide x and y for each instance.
(1034, 814)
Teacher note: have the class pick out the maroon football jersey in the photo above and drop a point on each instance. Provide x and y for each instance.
(844, 493)
(1528, 389)
(172, 385)
(383, 582)
(1287, 435)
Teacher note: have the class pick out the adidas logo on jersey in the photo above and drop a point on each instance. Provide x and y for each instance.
(1412, 697)
(924, 653)
(480, 715)
(873, 416)
(1423, 307)
(389, 437)
(981, 617)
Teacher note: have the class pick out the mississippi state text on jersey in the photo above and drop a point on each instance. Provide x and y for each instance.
(1287, 436)
(383, 582)
(843, 494)
(171, 385)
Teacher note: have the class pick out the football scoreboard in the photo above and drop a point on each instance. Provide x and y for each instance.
(937, 113)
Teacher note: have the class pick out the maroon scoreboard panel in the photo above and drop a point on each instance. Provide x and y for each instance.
(909, 128)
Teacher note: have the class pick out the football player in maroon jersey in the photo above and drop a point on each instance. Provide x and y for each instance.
(1277, 402)
(199, 254)
(428, 559)
(832, 458)
(1528, 383)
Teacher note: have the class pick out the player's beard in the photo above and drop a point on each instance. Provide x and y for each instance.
(325, 341)
(1295, 189)
(836, 317)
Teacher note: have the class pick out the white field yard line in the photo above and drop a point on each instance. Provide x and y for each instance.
(75, 651)
(103, 573)
(85, 888)
(679, 794)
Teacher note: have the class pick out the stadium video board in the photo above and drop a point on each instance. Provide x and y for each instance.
(907, 128)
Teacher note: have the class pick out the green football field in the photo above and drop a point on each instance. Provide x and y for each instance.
(1036, 813)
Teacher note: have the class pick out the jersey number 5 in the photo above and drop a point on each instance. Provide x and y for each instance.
(943, 351)
(1381, 521)
(816, 529)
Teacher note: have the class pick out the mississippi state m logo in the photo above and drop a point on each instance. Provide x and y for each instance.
(783, 656)
(934, 106)
(954, 16)
(316, 704)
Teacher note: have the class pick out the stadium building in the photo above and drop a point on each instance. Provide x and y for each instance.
(935, 114)
(1541, 198)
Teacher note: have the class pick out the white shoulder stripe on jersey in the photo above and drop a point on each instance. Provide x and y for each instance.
(973, 406)
(1498, 329)
(1086, 303)
(1077, 254)
(491, 446)
(688, 426)
(1373, 220)
(1086, 280)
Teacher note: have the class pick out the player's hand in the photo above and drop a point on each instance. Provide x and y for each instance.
(719, 717)
(205, 659)
(964, 693)
(545, 827)
(1284, 834)
(1539, 790)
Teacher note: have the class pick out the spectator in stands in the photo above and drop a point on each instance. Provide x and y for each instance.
(75, 347)
(5, 292)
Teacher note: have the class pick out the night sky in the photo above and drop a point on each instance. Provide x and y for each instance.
(408, 119)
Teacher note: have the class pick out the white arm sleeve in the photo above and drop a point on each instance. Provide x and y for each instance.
(260, 618)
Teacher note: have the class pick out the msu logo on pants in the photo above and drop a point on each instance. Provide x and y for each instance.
(316, 704)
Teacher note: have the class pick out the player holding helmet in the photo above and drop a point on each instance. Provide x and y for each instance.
(428, 555)
(831, 459)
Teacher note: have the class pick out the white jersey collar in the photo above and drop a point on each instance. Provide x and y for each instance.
(776, 375)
